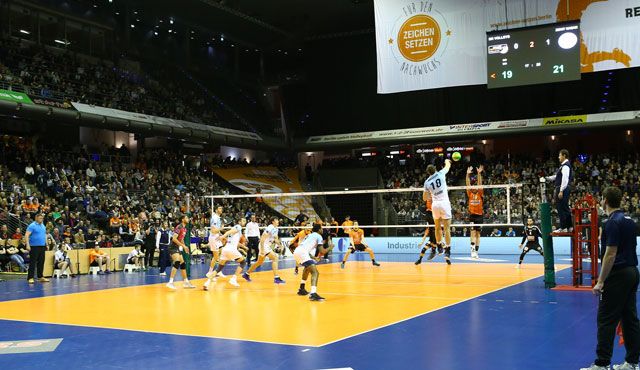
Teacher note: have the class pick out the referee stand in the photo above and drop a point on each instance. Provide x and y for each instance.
(584, 245)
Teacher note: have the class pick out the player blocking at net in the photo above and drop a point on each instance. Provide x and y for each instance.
(430, 233)
(268, 239)
(476, 211)
(435, 186)
(304, 256)
(531, 235)
(356, 236)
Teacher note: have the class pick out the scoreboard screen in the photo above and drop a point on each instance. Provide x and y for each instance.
(533, 55)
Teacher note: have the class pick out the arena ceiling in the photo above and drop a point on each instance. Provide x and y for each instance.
(266, 22)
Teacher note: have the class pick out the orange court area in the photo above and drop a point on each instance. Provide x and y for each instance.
(360, 298)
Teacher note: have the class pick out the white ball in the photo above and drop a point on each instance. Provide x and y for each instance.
(543, 180)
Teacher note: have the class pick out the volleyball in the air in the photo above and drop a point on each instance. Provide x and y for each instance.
(456, 156)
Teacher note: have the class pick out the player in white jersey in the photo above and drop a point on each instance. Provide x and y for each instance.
(215, 229)
(268, 240)
(230, 252)
(304, 255)
(436, 186)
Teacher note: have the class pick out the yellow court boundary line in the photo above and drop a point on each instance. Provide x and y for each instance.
(268, 342)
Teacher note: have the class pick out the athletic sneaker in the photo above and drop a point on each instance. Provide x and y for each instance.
(246, 277)
(188, 285)
(596, 367)
(474, 254)
(342, 265)
(295, 272)
(518, 266)
(209, 274)
(375, 263)
(171, 286)
(625, 366)
(432, 255)
(278, 281)
(302, 291)
(440, 250)
(233, 281)
(220, 274)
(315, 297)
(206, 285)
(447, 260)
(163, 274)
(419, 261)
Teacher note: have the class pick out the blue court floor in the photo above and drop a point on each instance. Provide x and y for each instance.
(520, 327)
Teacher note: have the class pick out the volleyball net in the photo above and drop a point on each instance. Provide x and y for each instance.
(386, 212)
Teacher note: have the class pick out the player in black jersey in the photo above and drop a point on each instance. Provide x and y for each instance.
(531, 235)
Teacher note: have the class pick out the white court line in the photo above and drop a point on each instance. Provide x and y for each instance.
(421, 283)
(162, 333)
(425, 313)
(447, 274)
(229, 288)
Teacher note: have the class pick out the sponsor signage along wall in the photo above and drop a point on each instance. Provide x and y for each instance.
(459, 245)
(52, 103)
(14, 96)
(564, 120)
(422, 132)
(467, 128)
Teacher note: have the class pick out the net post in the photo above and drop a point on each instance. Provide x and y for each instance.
(187, 256)
(508, 204)
(547, 241)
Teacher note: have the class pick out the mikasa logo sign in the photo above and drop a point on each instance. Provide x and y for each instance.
(419, 38)
(566, 120)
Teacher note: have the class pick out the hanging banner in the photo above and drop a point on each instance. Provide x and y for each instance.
(254, 180)
(442, 43)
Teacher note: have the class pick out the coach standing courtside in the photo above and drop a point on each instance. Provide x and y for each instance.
(36, 239)
(562, 190)
(617, 285)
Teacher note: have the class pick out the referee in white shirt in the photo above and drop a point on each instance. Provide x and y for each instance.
(252, 232)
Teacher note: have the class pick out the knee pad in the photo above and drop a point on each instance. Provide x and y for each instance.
(183, 266)
(352, 249)
(424, 249)
(176, 265)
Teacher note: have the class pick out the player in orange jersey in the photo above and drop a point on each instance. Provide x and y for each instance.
(356, 235)
(429, 232)
(476, 212)
(300, 236)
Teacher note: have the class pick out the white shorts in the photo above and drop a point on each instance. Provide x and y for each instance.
(265, 249)
(214, 242)
(230, 254)
(301, 256)
(441, 210)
